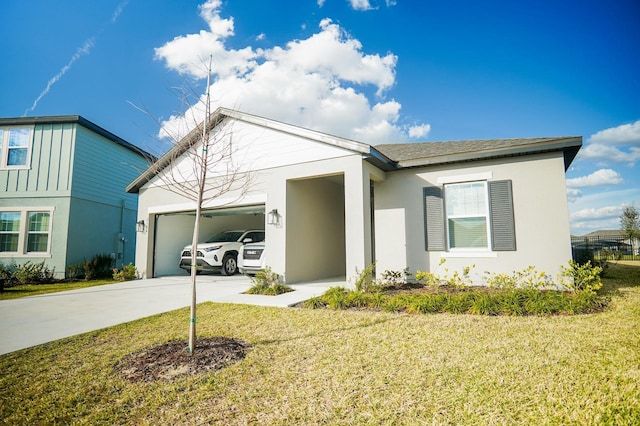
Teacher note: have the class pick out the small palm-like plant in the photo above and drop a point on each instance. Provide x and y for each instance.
(268, 283)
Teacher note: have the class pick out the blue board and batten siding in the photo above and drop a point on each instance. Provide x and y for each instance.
(79, 171)
(49, 173)
(103, 215)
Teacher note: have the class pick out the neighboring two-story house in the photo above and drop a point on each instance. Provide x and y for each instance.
(62, 192)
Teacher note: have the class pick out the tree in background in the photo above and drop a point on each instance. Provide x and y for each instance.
(630, 225)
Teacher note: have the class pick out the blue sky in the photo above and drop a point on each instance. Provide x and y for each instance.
(374, 71)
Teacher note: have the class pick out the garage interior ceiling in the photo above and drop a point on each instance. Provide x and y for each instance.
(223, 211)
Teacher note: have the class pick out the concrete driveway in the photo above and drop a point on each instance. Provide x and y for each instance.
(34, 320)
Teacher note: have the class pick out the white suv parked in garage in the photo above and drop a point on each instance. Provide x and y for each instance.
(251, 258)
(220, 252)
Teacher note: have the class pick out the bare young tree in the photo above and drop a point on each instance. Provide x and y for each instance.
(201, 167)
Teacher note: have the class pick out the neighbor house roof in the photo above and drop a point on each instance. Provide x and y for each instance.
(606, 233)
(433, 153)
(62, 119)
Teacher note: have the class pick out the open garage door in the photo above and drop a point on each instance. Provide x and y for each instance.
(174, 231)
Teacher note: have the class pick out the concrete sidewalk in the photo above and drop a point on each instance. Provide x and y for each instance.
(31, 321)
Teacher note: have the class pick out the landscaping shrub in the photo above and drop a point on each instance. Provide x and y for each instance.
(365, 281)
(526, 292)
(127, 273)
(395, 278)
(268, 283)
(27, 273)
(585, 277)
(100, 266)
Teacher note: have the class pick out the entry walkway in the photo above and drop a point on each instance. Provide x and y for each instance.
(34, 320)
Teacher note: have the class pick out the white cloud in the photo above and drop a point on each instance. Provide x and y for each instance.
(573, 194)
(597, 178)
(597, 213)
(605, 145)
(419, 131)
(360, 4)
(624, 134)
(321, 3)
(610, 154)
(315, 82)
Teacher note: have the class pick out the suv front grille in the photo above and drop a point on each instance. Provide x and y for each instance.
(187, 253)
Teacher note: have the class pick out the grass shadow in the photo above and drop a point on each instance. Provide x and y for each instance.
(620, 276)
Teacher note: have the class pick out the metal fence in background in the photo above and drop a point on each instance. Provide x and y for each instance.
(604, 248)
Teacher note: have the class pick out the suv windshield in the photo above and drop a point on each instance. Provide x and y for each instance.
(226, 237)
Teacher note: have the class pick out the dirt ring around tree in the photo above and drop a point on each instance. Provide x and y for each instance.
(170, 361)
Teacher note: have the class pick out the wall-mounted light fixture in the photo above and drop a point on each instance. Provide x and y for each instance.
(141, 226)
(273, 217)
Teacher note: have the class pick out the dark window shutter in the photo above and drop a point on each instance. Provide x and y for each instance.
(503, 232)
(434, 219)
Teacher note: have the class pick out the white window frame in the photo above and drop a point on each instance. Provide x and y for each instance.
(24, 232)
(4, 148)
(484, 214)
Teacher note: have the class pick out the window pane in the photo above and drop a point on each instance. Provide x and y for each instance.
(468, 232)
(9, 242)
(38, 235)
(466, 199)
(37, 242)
(9, 221)
(17, 157)
(39, 221)
(19, 138)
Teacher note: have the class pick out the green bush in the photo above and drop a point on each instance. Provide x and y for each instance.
(268, 283)
(127, 273)
(515, 302)
(583, 277)
(27, 273)
(527, 278)
(99, 266)
(335, 298)
(365, 281)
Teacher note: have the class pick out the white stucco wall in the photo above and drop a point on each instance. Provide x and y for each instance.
(276, 158)
(540, 210)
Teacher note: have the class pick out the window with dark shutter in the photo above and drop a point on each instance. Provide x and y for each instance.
(503, 234)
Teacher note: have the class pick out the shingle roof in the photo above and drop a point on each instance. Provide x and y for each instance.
(431, 153)
(606, 233)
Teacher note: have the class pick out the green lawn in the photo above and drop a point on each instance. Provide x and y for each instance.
(36, 289)
(350, 367)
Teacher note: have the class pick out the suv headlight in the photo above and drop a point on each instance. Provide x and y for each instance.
(208, 249)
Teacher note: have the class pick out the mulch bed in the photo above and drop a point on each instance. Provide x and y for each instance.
(170, 361)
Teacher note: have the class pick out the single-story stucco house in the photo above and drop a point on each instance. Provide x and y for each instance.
(330, 206)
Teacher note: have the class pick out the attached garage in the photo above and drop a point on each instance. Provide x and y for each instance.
(174, 230)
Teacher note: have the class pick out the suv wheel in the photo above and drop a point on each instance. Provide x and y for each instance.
(229, 264)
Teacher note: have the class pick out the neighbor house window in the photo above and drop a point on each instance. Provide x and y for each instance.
(469, 216)
(38, 233)
(15, 145)
(9, 231)
(467, 212)
(25, 232)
